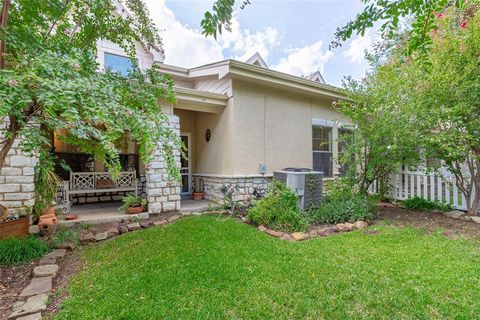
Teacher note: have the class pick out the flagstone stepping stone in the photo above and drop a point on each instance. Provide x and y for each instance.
(36, 316)
(101, 236)
(45, 261)
(262, 228)
(48, 270)
(57, 254)
(133, 226)
(37, 286)
(34, 304)
(455, 214)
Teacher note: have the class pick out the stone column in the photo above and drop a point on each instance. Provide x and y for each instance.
(17, 188)
(163, 195)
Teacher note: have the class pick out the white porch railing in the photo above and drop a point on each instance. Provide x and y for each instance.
(435, 187)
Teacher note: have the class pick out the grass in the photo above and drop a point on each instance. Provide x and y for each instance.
(16, 251)
(200, 268)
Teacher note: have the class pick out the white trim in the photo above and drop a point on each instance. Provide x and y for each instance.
(323, 123)
(234, 176)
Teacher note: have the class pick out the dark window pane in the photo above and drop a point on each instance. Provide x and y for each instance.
(321, 138)
(117, 63)
(322, 161)
(185, 184)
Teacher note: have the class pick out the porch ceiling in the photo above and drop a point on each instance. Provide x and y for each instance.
(190, 99)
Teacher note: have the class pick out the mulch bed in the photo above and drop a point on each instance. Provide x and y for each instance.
(12, 281)
(430, 221)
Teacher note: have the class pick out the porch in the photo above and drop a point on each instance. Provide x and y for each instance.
(103, 212)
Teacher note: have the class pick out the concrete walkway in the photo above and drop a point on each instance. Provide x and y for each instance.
(95, 213)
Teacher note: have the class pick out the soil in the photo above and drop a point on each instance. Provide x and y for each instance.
(430, 221)
(67, 267)
(12, 281)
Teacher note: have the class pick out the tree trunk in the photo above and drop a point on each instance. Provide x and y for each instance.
(3, 25)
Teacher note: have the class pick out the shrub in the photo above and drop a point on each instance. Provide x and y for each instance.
(339, 189)
(15, 251)
(420, 204)
(132, 200)
(63, 235)
(278, 210)
(342, 210)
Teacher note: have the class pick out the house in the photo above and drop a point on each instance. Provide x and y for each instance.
(239, 121)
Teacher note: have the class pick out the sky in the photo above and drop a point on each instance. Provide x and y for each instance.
(291, 35)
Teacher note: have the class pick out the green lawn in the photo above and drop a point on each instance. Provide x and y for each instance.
(201, 268)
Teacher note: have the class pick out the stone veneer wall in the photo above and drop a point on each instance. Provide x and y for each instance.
(163, 195)
(17, 188)
(212, 185)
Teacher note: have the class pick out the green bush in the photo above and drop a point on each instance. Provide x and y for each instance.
(278, 210)
(15, 251)
(343, 210)
(420, 204)
(338, 189)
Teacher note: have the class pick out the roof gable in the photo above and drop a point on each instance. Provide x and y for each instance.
(257, 60)
(316, 76)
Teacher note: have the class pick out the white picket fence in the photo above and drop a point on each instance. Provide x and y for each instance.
(434, 187)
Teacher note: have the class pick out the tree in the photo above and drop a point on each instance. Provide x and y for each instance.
(49, 79)
(405, 105)
(390, 13)
(220, 18)
(448, 99)
(385, 136)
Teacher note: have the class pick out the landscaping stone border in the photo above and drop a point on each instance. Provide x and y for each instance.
(313, 233)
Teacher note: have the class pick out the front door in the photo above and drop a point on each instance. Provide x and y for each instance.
(185, 164)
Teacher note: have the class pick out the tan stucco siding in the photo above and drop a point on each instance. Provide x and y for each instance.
(215, 156)
(275, 127)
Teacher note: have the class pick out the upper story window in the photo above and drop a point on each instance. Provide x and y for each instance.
(116, 63)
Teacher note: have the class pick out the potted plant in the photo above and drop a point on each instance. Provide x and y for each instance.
(12, 225)
(133, 204)
(198, 191)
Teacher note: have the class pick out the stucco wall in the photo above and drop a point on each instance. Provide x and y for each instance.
(217, 155)
(275, 127)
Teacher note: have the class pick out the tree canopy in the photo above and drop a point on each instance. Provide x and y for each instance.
(49, 79)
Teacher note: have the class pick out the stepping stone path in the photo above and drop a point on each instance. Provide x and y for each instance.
(48, 270)
(37, 286)
(36, 293)
(33, 306)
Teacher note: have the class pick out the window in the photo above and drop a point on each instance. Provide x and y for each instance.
(322, 149)
(345, 137)
(116, 63)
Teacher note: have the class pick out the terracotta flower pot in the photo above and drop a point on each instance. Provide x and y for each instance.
(197, 196)
(135, 210)
(48, 222)
(14, 228)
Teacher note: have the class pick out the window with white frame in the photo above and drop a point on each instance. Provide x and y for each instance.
(322, 149)
(117, 63)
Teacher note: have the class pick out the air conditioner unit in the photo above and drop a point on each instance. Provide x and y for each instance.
(306, 183)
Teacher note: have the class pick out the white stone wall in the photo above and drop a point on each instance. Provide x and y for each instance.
(212, 185)
(17, 188)
(163, 195)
